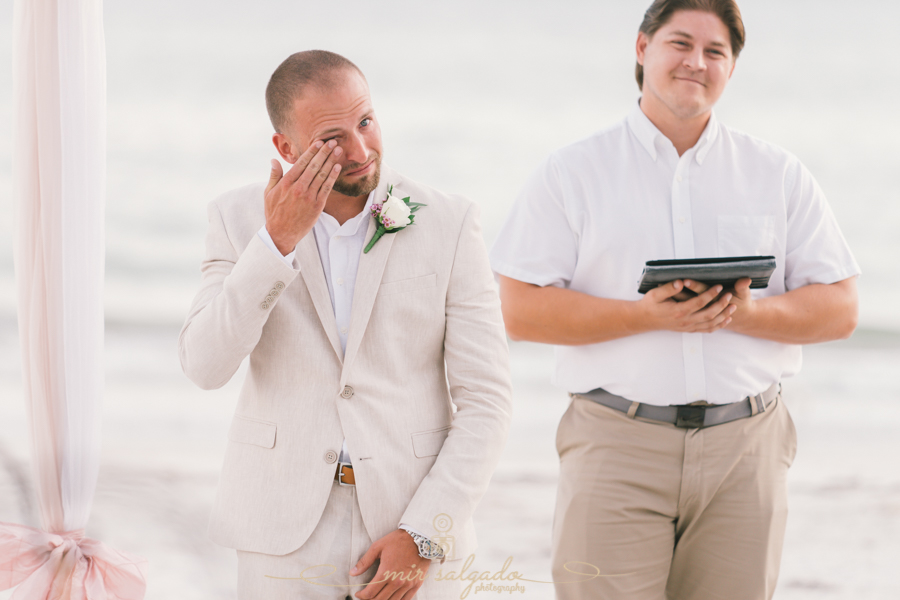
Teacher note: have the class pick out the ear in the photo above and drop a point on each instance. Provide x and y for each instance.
(285, 147)
(641, 46)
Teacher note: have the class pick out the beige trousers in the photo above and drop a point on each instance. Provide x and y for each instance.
(339, 540)
(670, 513)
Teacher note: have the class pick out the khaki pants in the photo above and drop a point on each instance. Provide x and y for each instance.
(339, 540)
(670, 513)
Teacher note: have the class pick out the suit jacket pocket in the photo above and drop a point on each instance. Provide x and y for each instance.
(252, 431)
(428, 443)
(407, 285)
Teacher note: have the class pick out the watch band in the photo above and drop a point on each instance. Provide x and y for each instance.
(427, 548)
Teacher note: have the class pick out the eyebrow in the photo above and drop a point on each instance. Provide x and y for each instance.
(690, 37)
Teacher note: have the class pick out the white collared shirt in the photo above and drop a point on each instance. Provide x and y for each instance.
(595, 211)
(340, 247)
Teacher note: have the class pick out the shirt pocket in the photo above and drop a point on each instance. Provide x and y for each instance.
(746, 235)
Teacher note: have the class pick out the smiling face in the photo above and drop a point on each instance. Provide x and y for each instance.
(687, 63)
(341, 111)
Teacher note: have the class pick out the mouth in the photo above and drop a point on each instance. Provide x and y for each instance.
(689, 80)
(363, 170)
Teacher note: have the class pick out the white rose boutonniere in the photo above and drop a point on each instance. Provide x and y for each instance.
(392, 215)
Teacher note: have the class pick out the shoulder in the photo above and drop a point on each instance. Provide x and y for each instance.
(240, 202)
(754, 150)
(241, 211)
(445, 206)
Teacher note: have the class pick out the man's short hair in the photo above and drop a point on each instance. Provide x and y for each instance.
(310, 69)
(661, 11)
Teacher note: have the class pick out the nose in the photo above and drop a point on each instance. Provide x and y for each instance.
(694, 60)
(356, 151)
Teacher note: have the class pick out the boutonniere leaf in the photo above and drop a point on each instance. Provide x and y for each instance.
(392, 215)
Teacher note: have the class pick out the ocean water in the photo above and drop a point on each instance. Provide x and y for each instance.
(471, 96)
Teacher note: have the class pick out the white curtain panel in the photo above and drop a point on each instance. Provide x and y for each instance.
(59, 174)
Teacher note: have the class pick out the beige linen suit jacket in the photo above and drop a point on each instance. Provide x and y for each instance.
(426, 334)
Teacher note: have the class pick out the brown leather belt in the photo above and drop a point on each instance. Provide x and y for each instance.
(344, 474)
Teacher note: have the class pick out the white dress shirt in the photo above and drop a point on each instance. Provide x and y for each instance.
(595, 211)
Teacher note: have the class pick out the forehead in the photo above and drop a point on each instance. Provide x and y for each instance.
(699, 25)
(337, 106)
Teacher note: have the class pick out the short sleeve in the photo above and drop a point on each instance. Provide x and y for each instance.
(815, 248)
(537, 243)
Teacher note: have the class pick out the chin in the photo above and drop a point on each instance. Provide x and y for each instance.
(361, 186)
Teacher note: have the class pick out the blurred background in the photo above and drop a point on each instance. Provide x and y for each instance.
(471, 95)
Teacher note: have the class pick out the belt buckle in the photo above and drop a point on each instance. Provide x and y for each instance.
(341, 466)
(690, 416)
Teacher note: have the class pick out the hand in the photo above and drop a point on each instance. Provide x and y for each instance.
(705, 313)
(692, 290)
(295, 200)
(743, 302)
(401, 571)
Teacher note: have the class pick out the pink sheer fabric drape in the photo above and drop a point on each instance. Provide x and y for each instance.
(59, 173)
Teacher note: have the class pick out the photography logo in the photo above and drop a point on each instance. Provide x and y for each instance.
(443, 524)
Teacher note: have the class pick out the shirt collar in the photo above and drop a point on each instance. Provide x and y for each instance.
(351, 226)
(647, 133)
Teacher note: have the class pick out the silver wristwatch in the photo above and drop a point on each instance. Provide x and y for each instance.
(427, 548)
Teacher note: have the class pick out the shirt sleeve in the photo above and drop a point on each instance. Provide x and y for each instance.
(537, 243)
(263, 234)
(815, 248)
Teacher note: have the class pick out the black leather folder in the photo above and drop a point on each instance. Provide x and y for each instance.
(712, 271)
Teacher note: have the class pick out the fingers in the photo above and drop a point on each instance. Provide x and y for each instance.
(275, 175)
(702, 300)
(666, 290)
(367, 560)
(698, 287)
(299, 167)
(308, 176)
(328, 171)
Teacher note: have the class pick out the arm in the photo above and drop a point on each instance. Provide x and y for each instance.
(807, 315)
(477, 363)
(553, 315)
(237, 291)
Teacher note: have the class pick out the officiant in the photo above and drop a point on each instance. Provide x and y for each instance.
(675, 447)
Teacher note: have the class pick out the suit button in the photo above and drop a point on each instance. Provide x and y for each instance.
(279, 286)
(331, 456)
(273, 292)
(270, 299)
(264, 305)
(347, 392)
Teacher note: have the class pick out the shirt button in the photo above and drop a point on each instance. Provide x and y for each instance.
(340, 281)
(347, 392)
(681, 219)
(330, 456)
(344, 330)
(678, 178)
(693, 351)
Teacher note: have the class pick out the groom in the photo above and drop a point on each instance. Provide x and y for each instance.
(346, 462)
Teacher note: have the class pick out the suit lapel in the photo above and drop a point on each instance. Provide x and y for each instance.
(310, 264)
(368, 279)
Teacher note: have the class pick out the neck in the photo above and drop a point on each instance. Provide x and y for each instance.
(344, 208)
(683, 132)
